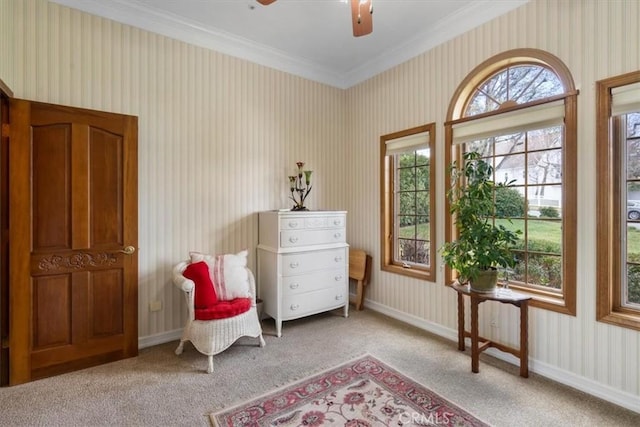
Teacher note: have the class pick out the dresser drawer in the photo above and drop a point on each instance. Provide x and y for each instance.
(337, 221)
(305, 262)
(292, 223)
(291, 239)
(300, 223)
(312, 222)
(297, 305)
(309, 282)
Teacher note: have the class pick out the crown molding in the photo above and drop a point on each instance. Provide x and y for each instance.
(169, 25)
(141, 16)
(454, 25)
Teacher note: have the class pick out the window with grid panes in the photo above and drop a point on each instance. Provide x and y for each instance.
(407, 202)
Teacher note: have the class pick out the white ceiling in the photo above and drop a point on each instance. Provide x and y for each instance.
(309, 38)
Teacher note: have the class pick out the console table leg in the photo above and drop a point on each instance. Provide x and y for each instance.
(460, 322)
(524, 339)
(475, 354)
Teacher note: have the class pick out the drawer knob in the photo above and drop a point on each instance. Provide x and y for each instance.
(337, 222)
(293, 239)
(293, 224)
(338, 277)
(337, 235)
(294, 285)
(338, 258)
(294, 265)
(294, 307)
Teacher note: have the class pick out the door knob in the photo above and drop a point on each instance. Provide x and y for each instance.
(128, 250)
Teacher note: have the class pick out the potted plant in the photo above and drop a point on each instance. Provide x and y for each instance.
(481, 246)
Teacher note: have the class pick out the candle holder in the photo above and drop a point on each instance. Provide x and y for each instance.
(300, 189)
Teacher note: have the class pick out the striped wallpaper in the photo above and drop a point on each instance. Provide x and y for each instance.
(218, 136)
(599, 39)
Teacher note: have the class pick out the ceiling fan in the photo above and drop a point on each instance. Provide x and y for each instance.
(361, 16)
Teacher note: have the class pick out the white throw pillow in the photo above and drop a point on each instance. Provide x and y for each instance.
(228, 273)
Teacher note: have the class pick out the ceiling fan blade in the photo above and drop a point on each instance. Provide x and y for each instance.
(361, 17)
(266, 2)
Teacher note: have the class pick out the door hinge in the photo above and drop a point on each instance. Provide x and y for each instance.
(5, 342)
(5, 130)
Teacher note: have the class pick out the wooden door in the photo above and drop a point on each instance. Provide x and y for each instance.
(73, 266)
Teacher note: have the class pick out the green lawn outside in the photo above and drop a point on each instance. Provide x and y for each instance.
(542, 231)
(633, 243)
(545, 236)
(423, 231)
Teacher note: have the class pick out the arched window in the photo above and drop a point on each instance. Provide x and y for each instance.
(518, 110)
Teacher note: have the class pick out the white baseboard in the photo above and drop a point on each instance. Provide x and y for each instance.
(164, 337)
(418, 322)
(594, 388)
(589, 386)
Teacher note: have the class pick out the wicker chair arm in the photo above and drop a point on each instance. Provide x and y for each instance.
(252, 287)
(179, 280)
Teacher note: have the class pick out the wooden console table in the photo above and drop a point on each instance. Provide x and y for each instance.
(478, 343)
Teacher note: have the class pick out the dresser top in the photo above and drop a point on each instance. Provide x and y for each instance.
(297, 213)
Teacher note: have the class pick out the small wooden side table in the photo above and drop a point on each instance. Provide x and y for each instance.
(478, 343)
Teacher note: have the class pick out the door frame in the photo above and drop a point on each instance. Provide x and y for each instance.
(5, 95)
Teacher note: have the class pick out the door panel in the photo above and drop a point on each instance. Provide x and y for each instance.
(51, 311)
(106, 188)
(51, 153)
(74, 301)
(106, 298)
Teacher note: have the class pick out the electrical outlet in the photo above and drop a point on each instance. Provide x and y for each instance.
(155, 305)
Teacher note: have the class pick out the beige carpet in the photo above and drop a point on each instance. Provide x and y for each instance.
(158, 388)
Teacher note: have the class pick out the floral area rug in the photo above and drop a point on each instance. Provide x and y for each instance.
(363, 392)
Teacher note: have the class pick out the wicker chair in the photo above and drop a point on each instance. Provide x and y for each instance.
(211, 337)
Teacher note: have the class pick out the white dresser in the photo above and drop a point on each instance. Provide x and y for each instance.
(303, 262)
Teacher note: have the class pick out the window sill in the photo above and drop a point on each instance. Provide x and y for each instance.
(625, 320)
(410, 272)
(548, 301)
